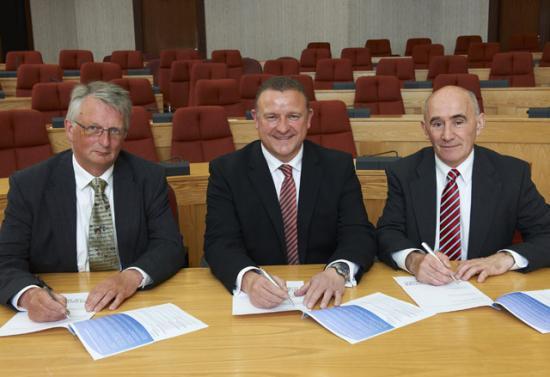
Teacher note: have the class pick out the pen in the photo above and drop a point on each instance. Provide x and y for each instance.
(270, 278)
(432, 253)
(49, 291)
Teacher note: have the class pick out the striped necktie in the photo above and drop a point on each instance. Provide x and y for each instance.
(449, 218)
(287, 201)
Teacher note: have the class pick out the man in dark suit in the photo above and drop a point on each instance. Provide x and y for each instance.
(464, 199)
(59, 215)
(285, 200)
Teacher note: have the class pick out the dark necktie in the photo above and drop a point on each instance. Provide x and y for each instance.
(287, 201)
(449, 218)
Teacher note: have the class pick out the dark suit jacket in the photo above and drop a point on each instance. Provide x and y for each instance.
(39, 229)
(244, 226)
(503, 199)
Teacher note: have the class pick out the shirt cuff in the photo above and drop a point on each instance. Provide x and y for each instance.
(17, 296)
(400, 257)
(353, 268)
(240, 276)
(146, 279)
(519, 260)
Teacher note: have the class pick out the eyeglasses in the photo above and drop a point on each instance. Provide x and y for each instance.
(98, 131)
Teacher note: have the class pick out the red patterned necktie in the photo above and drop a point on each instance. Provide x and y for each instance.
(449, 218)
(287, 201)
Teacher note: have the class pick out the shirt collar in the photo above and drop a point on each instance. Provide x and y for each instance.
(83, 178)
(465, 168)
(274, 163)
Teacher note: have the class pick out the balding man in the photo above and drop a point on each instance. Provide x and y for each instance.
(463, 200)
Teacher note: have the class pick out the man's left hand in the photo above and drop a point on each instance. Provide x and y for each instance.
(114, 290)
(495, 264)
(326, 284)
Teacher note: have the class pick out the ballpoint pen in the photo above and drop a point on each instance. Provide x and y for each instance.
(49, 291)
(432, 253)
(270, 278)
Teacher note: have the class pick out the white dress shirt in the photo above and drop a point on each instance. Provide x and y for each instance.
(464, 182)
(278, 177)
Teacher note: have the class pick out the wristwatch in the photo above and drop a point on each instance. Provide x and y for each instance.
(342, 269)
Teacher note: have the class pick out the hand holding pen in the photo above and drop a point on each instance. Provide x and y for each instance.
(44, 305)
(272, 280)
(430, 251)
(263, 290)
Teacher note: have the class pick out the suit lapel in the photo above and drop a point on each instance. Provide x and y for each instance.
(310, 182)
(486, 188)
(423, 191)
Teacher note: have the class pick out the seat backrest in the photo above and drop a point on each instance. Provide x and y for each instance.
(282, 67)
(52, 99)
(201, 133)
(73, 59)
(30, 74)
(524, 42)
(99, 71)
(233, 61)
(380, 94)
(423, 54)
(179, 83)
(411, 42)
(128, 59)
(248, 87)
(402, 68)
(325, 45)
(15, 58)
(379, 47)
(329, 71)
(330, 126)
(447, 64)
(166, 59)
(139, 140)
(222, 92)
(141, 92)
(359, 56)
(480, 55)
(545, 59)
(251, 65)
(464, 41)
(307, 83)
(309, 57)
(24, 140)
(205, 71)
(465, 80)
(516, 67)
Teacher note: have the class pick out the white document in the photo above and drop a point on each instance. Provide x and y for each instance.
(531, 307)
(457, 295)
(242, 304)
(20, 323)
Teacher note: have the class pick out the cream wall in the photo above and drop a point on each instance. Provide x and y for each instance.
(97, 25)
(266, 29)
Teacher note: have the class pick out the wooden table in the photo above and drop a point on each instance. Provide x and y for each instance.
(480, 341)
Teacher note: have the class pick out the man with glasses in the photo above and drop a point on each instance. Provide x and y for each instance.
(91, 208)
(463, 200)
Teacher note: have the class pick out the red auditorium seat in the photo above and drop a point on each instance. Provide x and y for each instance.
(545, 60)
(402, 68)
(463, 43)
(325, 45)
(166, 59)
(465, 80)
(329, 71)
(52, 99)
(307, 83)
(233, 61)
(141, 92)
(222, 92)
(99, 72)
(139, 140)
(524, 42)
(282, 67)
(447, 64)
(30, 74)
(73, 59)
(248, 88)
(251, 65)
(200, 134)
(480, 55)
(379, 47)
(423, 54)
(330, 126)
(15, 58)
(380, 94)
(516, 67)
(179, 83)
(412, 42)
(360, 58)
(205, 71)
(128, 59)
(24, 140)
(309, 57)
